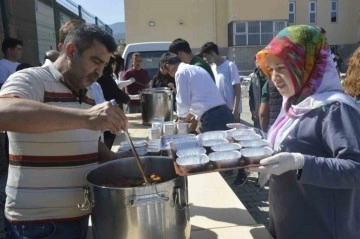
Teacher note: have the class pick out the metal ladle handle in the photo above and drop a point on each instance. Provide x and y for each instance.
(136, 156)
(137, 159)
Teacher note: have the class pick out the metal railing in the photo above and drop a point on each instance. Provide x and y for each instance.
(84, 14)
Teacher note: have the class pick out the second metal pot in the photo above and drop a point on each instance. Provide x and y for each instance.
(156, 102)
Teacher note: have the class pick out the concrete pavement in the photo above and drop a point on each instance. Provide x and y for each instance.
(255, 199)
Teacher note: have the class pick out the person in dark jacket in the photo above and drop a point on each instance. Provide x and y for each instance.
(163, 80)
(111, 91)
(257, 81)
(270, 107)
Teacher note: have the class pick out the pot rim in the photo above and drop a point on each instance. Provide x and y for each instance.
(122, 188)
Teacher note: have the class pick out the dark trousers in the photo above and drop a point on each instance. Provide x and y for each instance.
(216, 118)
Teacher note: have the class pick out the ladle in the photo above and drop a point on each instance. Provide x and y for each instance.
(136, 156)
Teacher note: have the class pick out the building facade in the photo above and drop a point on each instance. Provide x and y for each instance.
(240, 28)
(37, 22)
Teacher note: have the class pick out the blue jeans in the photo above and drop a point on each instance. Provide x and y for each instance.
(216, 118)
(47, 230)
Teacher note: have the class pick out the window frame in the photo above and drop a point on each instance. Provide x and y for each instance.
(312, 12)
(334, 11)
(292, 12)
(262, 32)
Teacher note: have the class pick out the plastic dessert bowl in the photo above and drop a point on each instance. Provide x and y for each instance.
(253, 143)
(225, 159)
(246, 137)
(226, 147)
(254, 155)
(217, 134)
(190, 151)
(192, 163)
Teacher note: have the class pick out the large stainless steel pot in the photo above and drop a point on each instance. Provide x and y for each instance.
(156, 102)
(155, 211)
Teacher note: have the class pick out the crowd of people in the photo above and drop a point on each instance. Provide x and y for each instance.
(295, 96)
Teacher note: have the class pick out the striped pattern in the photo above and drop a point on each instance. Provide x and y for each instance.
(55, 97)
(54, 161)
(47, 171)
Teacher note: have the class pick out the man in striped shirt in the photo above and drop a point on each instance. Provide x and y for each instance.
(54, 127)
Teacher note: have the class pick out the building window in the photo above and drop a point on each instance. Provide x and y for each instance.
(255, 32)
(334, 10)
(312, 12)
(291, 12)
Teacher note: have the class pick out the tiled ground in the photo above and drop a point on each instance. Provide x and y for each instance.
(254, 198)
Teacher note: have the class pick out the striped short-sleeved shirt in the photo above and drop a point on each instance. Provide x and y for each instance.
(47, 171)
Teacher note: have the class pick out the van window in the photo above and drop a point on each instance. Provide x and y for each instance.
(150, 61)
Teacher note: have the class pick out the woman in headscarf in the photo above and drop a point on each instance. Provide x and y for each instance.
(315, 183)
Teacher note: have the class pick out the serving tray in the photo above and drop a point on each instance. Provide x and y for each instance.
(212, 166)
(248, 157)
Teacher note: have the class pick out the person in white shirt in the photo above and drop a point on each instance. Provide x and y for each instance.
(196, 94)
(227, 78)
(12, 49)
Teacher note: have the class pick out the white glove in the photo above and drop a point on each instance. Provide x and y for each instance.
(280, 163)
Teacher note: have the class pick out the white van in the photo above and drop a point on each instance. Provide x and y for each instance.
(150, 52)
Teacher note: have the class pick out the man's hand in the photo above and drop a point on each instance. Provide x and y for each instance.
(193, 125)
(105, 116)
(191, 120)
(236, 116)
(171, 86)
(280, 163)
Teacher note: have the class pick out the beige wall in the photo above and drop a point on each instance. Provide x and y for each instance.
(221, 19)
(203, 20)
(192, 20)
(257, 10)
(344, 31)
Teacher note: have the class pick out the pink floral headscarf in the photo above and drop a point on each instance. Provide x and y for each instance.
(303, 51)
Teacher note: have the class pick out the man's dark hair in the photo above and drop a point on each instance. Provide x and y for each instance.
(85, 34)
(10, 42)
(52, 55)
(209, 47)
(169, 58)
(180, 45)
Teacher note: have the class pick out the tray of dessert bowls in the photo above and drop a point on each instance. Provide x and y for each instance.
(216, 151)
